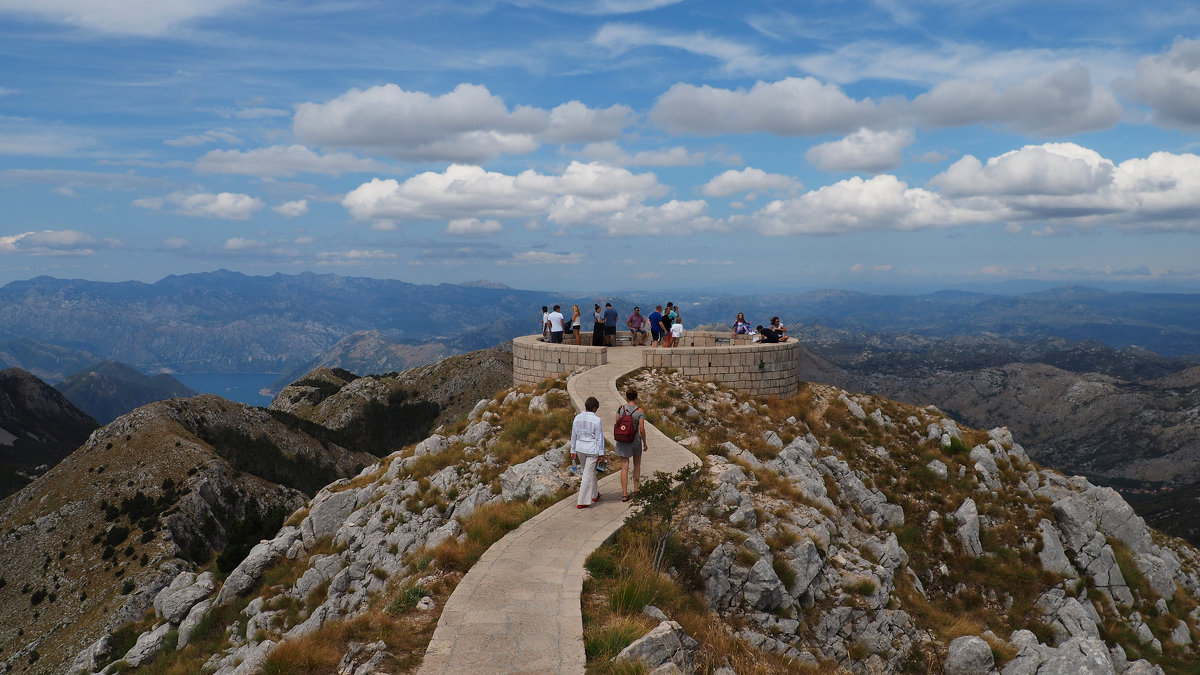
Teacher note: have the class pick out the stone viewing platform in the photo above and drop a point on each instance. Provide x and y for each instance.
(755, 368)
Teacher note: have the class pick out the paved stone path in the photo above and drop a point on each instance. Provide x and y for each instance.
(518, 609)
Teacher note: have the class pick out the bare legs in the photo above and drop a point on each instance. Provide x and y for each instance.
(637, 473)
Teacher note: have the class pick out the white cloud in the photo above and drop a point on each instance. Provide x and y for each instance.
(176, 243)
(542, 258)
(235, 244)
(734, 56)
(283, 160)
(854, 204)
(292, 209)
(1049, 169)
(259, 113)
(1062, 102)
(596, 7)
(225, 135)
(1170, 84)
(21, 136)
(734, 182)
(611, 153)
(469, 124)
(471, 227)
(863, 150)
(790, 107)
(225, 205)
(356, 255)
(584, 194)
(129, 17)
(80, 179)
(53, 242)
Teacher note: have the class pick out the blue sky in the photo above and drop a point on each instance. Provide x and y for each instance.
(610, 144)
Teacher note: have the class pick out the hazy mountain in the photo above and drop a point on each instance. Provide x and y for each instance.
(38, 427)
(110, 389)
(50, 363)
(229, 322)
(367, 352)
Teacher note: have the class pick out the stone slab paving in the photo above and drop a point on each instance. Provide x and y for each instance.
(518, 609)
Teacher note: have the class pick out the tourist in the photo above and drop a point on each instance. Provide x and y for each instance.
(597, 327)
(587, 439)
(545, 323)
(610, 325)
(665, 323)
(637, 328)
(741, 326)
(555, 319)
(770, 336)
(676, 330)
(633, 449)
(576, 323)
(656, 330)
(779, 328)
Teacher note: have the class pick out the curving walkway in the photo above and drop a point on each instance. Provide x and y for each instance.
(518, 609)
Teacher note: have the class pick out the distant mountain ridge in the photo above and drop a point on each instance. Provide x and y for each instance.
(227, 322)
(38, 426)
(110, 389)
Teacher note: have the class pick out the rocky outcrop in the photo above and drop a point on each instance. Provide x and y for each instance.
(666, 643)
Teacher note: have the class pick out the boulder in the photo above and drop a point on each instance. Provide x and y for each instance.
(173, 602)
(431, 446)
(536, 477)
(665, 643)
(328, 512)
(1053, 557)
(147, 646)
(969, 655)
(1079, 655)
(968, 530)
(193, 619)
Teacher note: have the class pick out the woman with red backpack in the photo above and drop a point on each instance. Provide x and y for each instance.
(629, 432)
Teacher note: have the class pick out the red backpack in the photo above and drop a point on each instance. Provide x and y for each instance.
(625, 429)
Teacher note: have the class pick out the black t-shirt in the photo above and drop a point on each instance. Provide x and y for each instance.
(769, 335)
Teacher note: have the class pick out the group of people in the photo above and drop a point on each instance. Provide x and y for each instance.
(587, 445)
(773, 333)
(664, 328)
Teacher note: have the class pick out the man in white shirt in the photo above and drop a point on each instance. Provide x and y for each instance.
(555, 319)
(545, 323)
(587, 439)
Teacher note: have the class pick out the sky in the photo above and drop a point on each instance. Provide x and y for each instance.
(576, 145)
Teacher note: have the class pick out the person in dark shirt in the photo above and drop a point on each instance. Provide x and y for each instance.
(610, 324)
(770, 336)
(656, 331)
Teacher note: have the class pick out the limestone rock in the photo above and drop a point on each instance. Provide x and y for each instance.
(173, 602)
(536, 477)
(969, 655)
(1053, 557)
(193, 619)
(968, 530)
(147, 645)
(665, 643)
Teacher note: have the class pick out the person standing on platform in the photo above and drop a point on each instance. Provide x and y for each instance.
(610, 325)
(656, 329)
(555, 319)
(587, 444)
(597, 327)
(545, 323)
(576, 323)
(633, 449)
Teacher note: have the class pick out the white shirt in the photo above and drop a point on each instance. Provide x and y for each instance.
(677, 329)
(587, 434)
(556, 322)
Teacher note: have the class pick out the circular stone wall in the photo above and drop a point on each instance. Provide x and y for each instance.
(733, 360)
(750, 367)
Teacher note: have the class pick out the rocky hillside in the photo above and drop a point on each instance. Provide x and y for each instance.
(161, 489)
(852, 532)
(38, 427)
(1123, 417)
(109, 389)
(827, 532)
(415, 400)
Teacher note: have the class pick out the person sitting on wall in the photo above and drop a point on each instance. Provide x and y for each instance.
(779, 328)
(637, 328)
(768, 335)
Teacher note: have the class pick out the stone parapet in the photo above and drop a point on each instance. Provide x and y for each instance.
(732, 360)
(534, 361)
(753, 368)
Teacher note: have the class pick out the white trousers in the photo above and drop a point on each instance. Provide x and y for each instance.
(588, 487)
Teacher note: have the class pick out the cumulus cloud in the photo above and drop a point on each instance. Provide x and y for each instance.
(863, 150)
(472, 227)
(733, 182)
(128, 17)
(1170, 84)
(53, 242)
(1062, 102)
(468, 124)
(225, 205)
(1049, 169)
(853, 205)
(292, 209)
(584, 194)
(790, 107)
(283, 160)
